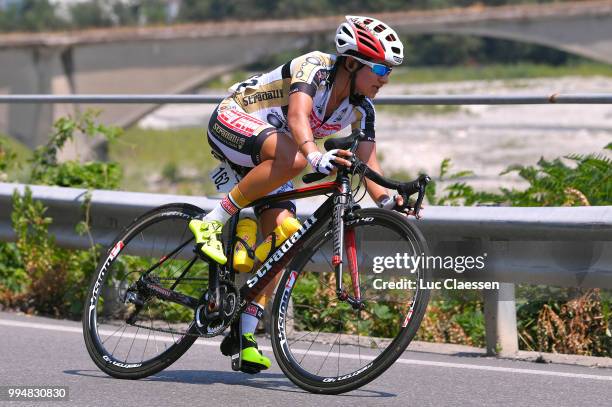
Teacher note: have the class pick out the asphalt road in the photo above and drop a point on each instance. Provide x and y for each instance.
(42, 351)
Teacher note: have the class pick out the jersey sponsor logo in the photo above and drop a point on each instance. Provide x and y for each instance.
(260, 96)
(306, 68)
(233, 140)
(240, 122)
(321, 129)
(314, 61)
(276, 120)
(321, 76)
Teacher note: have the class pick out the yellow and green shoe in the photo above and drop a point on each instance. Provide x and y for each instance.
(205, 232)
(253, 361)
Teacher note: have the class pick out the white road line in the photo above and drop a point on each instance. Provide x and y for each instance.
(208, 342)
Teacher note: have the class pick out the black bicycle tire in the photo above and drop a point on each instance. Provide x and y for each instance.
(97, 353)
(391, 353)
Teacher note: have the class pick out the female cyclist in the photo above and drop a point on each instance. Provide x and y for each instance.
(268, 126)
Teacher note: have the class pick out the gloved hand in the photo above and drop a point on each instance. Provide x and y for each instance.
(323, 163)
(396, 204)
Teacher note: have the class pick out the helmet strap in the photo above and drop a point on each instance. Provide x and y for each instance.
(354, 98)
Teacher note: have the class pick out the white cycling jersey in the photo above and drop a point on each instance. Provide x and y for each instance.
(266, 96)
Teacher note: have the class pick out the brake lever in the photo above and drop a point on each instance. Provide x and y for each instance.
(419, 186)
(423, 181)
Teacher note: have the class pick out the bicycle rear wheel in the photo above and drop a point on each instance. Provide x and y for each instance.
(129, 333)
(324, 345)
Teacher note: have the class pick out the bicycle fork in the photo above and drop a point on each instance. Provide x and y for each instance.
(340, 239)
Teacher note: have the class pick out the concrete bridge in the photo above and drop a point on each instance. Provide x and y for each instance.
(176, 59)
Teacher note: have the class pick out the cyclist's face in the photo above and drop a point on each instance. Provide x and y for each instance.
(369, 83)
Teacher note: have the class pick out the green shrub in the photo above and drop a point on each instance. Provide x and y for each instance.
(95, 175)
(36, 275)
(552, 319)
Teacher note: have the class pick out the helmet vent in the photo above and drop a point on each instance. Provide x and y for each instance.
(390, 37)
(395, 50)
(341, 42)
(379, 28)
(347, 31)
(367, 21)
(368, 43)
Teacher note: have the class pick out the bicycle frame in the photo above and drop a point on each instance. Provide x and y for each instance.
(334, 207)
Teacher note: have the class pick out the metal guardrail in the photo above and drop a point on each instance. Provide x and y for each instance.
(554, 98)
(562, 246)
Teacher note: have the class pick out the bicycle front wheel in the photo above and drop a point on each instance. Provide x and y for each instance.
(130, 333)
(323, 344)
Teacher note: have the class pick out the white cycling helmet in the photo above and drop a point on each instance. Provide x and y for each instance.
(370, 39)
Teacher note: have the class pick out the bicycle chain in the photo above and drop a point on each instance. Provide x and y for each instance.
(170, 331)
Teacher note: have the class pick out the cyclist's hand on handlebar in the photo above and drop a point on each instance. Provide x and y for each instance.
(397, 204)
(324, 163)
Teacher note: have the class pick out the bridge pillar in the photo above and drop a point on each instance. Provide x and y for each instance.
(500, 320)
(31, 123)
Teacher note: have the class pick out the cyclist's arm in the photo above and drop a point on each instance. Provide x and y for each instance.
(367, 153)
(300, 106)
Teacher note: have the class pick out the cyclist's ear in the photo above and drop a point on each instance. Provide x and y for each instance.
(351, 65)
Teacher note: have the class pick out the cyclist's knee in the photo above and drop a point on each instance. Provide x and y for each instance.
(294, 162)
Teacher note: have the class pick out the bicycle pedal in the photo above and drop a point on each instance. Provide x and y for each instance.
(236, 365)
(197, 248)
(250, 368)
(229, 347)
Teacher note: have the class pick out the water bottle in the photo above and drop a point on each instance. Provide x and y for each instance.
(246, 233)
(281, 233)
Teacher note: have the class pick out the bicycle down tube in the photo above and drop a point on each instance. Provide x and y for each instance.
(284, 253)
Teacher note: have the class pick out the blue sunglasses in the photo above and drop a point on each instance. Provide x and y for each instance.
(378, 69)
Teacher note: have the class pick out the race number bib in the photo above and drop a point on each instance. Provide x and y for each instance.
(224, 177)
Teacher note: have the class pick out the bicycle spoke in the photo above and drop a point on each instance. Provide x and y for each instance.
(311, 343)
(119, 340)
(326, 356)
(145, 347)
(113, 334)
(133, 340)
(339, 344)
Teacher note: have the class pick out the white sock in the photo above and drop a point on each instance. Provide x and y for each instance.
(219, 214)
(250, 318)
(228, 207)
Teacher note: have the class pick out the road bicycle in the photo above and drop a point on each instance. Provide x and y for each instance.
(332, 327)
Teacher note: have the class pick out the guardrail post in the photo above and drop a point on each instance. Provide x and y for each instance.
(500, 320)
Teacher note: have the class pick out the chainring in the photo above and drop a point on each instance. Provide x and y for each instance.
(208, 328)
